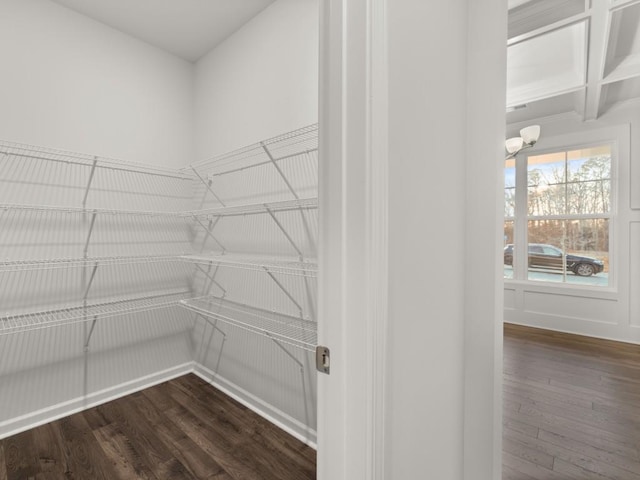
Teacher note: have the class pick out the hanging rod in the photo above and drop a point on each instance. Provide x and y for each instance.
(73, 158)
(246, 262)
(79, 313)
(284, 328)
(258, 208)
(54, 263)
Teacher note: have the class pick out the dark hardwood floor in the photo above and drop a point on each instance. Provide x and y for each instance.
(571, 407)
(181, 429)
(571, 411)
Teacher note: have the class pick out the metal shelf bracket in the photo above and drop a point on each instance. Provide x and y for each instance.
(293, 244)
(280, 172)
(93, 325)
(208, 185)
(91, 225)
(286, 292)
(208, 230)
(86, 191)
(285, 350)
(212, 279)
(93, 275)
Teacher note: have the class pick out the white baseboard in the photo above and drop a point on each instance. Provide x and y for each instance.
(64, 409)
(277, 417)
(269, 412)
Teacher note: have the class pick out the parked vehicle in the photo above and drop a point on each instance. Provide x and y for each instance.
(546, 256)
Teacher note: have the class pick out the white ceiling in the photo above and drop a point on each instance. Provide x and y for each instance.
(572, 57)
(186, 28)
(565, 57)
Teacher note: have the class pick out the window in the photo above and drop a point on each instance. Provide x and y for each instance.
(509, 215)
(562, 213)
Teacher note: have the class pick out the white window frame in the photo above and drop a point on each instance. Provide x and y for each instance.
(618, 138)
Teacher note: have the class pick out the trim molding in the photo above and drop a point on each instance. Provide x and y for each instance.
(377, 238)
(269, 412)
(64, 409)
(353, 238)
(75, 405)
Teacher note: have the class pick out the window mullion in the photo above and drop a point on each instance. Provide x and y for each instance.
(520, 225)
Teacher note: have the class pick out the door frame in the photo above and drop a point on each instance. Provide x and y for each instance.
(353, 239)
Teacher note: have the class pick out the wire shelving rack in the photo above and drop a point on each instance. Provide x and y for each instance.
(98, 179)
(55, 263)
(258, 208)
(281, 327)
(270, 264)
(16, 323)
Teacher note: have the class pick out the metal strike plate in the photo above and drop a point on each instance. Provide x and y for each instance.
(323, 359)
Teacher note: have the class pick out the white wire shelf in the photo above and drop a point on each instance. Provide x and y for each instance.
(298, 142)
(280, 327)
(100, 211)
(258, 208)
(273, 265)
(249, 209)
(21, 150)
(78, 313)
(49, 264)
(270, 264)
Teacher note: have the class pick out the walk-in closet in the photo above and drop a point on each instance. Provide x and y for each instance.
(158, 216)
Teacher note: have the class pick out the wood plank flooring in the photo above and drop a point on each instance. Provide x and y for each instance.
(181, 429)
(571, 411)
(571, 407)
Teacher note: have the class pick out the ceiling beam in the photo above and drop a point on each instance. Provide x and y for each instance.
(598, 38)
(618, 4)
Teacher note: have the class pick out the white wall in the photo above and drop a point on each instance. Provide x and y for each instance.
(426, 215)
(72, 83)
(613, 312)
(445, 133)
(261, 82)
(69, 82)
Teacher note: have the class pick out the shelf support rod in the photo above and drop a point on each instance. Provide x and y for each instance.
(275, 164)
(207, 290)
(208, 185)
(86, 244)
(208, 232)
(310, 297)
(86, 191)
(93, 325)
(212, 278)
(293, 244)
(300, 365)
(286, 292)
(212, 225)
(285, 350)
(93, 274)
(214, 325)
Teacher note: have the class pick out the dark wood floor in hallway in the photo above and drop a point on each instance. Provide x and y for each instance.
(181, 429)
(571, 407)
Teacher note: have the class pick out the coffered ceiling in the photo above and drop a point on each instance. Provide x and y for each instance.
(572, 57)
